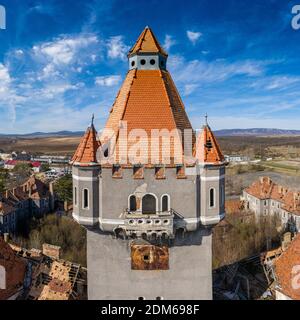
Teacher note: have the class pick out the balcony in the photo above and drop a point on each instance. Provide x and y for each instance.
(150, 226)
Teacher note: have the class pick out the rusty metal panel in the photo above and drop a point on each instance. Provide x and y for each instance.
(149, 257)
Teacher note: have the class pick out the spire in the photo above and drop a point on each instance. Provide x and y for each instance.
(147, 43)
(86, 153)
(206, 116)
(207, 148)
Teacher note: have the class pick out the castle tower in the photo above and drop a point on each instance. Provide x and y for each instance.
(148, 216)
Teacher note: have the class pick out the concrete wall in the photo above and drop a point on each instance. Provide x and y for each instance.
(115, 193)
(110, 275)
(109, 197)
(212, 178)
(86, 178)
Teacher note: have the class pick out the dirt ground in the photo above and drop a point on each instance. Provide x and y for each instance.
(54, 145)
(236, 183)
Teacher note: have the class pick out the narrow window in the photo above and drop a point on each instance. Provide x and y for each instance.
(132, 203)
(222, 195)
(165, 203)
(212, 197)
(75, 196)
(85, 198)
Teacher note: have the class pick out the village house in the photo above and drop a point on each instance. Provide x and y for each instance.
(265, 197)
(39, 274)
(32, 198)
(35, 165)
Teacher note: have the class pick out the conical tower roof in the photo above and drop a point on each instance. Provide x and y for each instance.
(86, 153)
(207, 148)
(147, 43)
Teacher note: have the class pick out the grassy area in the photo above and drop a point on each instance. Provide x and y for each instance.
(60, 231)
(281, 167)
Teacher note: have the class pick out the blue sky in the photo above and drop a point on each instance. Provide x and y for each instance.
(61, 61)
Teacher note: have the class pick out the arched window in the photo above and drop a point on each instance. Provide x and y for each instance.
(212, 197)
(2, 278)
(165, 203)
(132, 203)
(149, 204)
(85, 198)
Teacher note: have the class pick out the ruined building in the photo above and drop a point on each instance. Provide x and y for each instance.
(149, 221)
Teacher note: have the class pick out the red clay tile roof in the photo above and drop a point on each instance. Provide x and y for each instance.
(265, 188)
(261, 188)
(86, 153)
(15, 269)
(5, 208)
(233, 206)
(285, 268)
(208, 149)
(36, 188)
(147, 43)
(148, 99)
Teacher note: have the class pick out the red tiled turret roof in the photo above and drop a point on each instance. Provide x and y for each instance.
(86, 153)
(147, 43)
(207, 149)
(148, 99)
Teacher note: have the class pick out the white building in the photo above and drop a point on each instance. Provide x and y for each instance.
(265, 197)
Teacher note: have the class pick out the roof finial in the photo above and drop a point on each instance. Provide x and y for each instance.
(93, 117)
(206, 122)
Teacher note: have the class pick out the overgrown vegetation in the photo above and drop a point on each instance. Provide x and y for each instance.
(45, 167)
(63, 188)
(60, 231)
(240, 169)
(3, 179)
(240, 239)
(22, 171)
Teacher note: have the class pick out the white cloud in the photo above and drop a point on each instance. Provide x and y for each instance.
(108, 81)
(281, 82)
(4, 77)
(52, 90)
(64, 50)
(116, 49)
(193, 36)
(169, 42)
(189, 89)
(203, 72)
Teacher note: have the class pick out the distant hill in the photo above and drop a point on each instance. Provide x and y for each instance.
(44, 134)
(224, 132)
(257, 132)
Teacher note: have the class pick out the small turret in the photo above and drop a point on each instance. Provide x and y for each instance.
(147, 54)
(211, 170)
(86, 172)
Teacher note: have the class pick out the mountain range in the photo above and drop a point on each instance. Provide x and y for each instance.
(224, 132)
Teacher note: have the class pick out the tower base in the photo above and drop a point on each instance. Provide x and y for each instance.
(185, 272)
